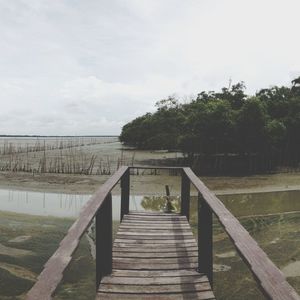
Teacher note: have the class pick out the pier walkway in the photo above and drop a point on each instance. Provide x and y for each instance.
(155, 255)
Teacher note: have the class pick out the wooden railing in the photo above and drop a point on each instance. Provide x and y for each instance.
(270, 279)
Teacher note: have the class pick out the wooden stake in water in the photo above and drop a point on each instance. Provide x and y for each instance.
(169, 207)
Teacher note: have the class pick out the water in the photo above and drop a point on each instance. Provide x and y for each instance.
(54, 204)
(262, 203)
(272, 219)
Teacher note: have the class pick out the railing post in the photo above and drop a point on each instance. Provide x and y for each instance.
(185, 195)
(205, 239)
(125, 188)
(104, 240)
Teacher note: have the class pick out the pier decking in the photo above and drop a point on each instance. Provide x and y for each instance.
(155, 256)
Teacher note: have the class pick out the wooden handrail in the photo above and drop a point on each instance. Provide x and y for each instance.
(53, 271)
(271, 280)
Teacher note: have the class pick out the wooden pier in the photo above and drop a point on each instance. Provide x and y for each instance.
(155, 255)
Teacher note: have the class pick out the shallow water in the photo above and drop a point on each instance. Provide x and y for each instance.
(262, 203)
(54, 204)
(271, 218)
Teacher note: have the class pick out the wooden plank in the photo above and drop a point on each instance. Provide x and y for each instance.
(138, 221)
(154, 280)
(190, 242)
(153, 248)
(139, 266)
(151, 213)
(155, 289)
(168, 237)
(136, 254)
(151, 231)
(155, 233)
(205, 295)
(169, 229)
(153, 260)
(153, 273)
(153, 226)
(154, 218)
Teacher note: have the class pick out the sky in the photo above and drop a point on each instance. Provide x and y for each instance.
(77, 67)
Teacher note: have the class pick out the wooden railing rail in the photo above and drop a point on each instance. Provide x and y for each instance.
(100, 206)
(270, 279)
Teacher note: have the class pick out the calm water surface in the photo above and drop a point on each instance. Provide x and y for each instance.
(273, 219)
(54, 204)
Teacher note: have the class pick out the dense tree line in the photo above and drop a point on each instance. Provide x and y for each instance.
(226, 131)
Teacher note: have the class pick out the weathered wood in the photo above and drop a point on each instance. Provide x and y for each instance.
(125, 190)
(155, 254)
(155, 263)
(185, 195)
(155, 236)
(150, 213)
(155, 168)
(154, 280)
(205, 239)
(155, 289)
(190, 242)
(271, 280)
(172, 227)
(269, 277)
(205, 295)
(153, 248)
(154, 218)
(53, 271)
(104, 240)
(156, 260)
(151, 230)
(155, 233)
(156, 274)
(146, 266)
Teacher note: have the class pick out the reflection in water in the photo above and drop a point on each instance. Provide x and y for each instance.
(156, 203)
(53, 204)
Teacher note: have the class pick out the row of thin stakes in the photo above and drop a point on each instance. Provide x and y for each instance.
(65, 158)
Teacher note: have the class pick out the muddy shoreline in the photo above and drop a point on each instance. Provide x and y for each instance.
(147, 184)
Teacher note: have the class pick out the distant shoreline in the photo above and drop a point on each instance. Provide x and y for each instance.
(28, 135)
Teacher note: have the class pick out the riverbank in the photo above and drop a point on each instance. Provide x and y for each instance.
(147, 184)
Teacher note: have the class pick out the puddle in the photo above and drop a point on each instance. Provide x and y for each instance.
(20, 239)
(226, 254)
(221, 268)
(14, 251)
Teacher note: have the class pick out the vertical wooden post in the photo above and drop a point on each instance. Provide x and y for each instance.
(104, 240)
(205, 239)
(125, 188)
(185, 195)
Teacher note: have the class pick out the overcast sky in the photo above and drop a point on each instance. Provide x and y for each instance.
(89, 66)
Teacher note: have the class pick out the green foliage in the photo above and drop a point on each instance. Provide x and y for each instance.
(229, 122)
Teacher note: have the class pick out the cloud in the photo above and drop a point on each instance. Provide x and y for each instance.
(90, 66)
